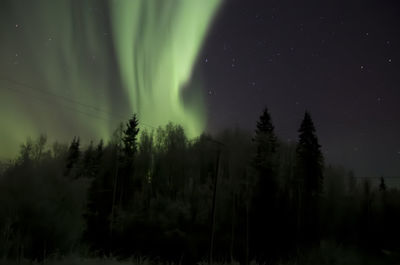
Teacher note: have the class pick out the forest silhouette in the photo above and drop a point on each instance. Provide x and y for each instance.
(232, 197)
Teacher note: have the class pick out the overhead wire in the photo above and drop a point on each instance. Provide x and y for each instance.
(69, 100)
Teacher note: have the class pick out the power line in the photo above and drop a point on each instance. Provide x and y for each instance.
(70, 100)
(64, 106)
(63, 97)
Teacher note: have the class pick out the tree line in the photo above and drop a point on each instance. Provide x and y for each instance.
(156, 193)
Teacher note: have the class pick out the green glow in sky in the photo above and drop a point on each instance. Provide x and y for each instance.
(157, 43)
(80, 67)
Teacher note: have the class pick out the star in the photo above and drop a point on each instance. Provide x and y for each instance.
(389, 60)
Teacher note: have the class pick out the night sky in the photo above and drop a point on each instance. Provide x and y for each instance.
(338, 59)
(79, 67)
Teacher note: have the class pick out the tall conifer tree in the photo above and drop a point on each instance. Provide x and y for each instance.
(309, 181)
(263, 208)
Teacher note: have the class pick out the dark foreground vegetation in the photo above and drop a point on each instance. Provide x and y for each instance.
(235, 197)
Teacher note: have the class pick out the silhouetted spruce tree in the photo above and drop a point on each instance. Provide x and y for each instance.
(130, 138)
(129, 141)
(263, 214)
(266, 142)
(309, 179)
(73, 155)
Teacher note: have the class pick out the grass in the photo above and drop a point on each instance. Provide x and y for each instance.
(76, 260)
(327, 254)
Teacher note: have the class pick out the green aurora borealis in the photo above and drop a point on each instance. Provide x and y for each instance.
(81, 67)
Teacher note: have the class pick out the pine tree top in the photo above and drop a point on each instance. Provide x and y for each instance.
(130, 135)
(307, 131)
(307, 124)
(265, 137)
(264, 125)
(308, 140)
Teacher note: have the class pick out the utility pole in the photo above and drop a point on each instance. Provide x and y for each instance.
(214, 202)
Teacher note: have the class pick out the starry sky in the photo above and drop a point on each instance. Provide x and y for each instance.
(79, 67)
(338, 59)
